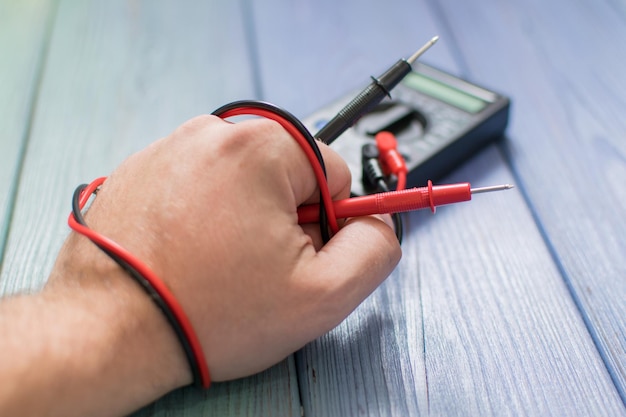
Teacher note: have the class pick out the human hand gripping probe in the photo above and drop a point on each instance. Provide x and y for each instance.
(367, 99)
(410, 199)
(396, 201)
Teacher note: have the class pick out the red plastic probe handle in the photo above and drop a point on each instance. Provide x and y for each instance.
(391, 161)
(392, 202)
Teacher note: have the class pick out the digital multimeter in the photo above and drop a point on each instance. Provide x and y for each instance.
(438, 119)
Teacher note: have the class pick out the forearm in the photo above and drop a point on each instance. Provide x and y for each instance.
(82, 342)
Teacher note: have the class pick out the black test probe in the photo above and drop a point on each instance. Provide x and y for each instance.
(370, 96)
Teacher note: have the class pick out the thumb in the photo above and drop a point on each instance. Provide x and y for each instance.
(353, 264)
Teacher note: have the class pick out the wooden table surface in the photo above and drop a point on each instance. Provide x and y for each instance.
(513, 304)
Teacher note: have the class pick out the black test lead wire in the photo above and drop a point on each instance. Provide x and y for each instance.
(373, 94)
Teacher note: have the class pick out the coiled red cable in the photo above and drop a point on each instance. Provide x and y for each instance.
(150, 281)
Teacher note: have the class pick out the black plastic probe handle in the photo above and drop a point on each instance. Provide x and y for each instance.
(364, 102)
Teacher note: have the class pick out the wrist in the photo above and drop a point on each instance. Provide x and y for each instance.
(133, 353)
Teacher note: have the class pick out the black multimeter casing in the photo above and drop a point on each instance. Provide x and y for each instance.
(438, 119)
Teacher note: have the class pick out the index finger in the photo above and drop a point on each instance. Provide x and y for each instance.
(338, 178)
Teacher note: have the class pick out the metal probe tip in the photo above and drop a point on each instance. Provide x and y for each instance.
(423, 49)
(492, 188)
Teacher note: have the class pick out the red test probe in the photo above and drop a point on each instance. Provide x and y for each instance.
(399, 201)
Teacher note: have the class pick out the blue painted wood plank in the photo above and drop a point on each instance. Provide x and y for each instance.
(273, 392)
(477, 319)
(496, 308)
(563, 62)
(23, 30)
(118, 76)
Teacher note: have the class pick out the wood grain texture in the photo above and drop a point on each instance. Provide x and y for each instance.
(563, 62)
(496, 308)
(477, 320)
(272, 393)
(23, 30)
(118, 76)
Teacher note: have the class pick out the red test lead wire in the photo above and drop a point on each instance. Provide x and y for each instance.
(399, 201)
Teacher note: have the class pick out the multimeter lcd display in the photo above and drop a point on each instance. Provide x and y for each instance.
(445, 93)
